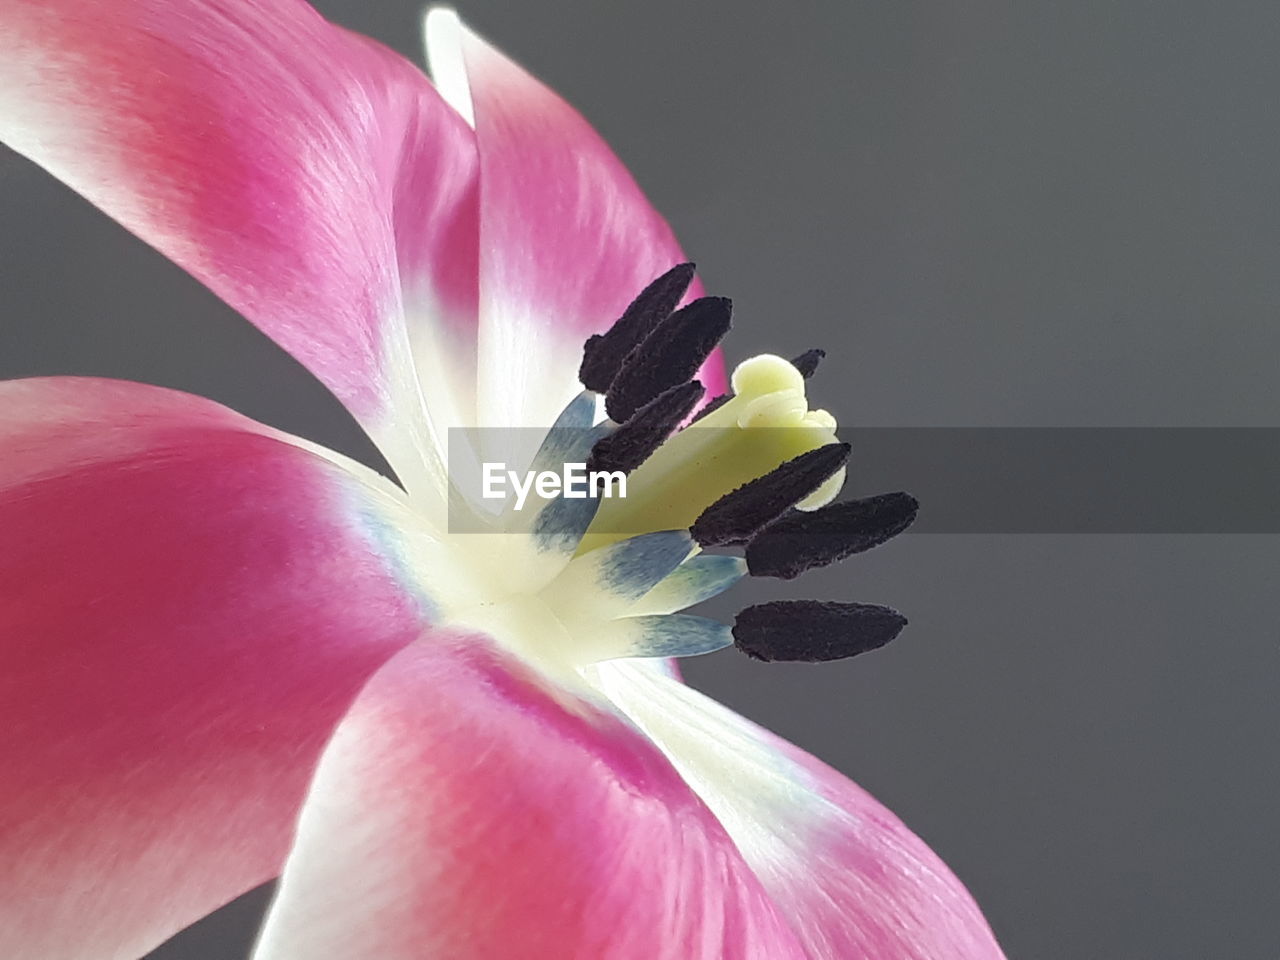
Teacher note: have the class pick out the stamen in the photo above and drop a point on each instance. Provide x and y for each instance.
(603, 583)
(669, 356)
(559, 523)
(814, 631)
(739, 514)
(808, 362)
(714, 404)
(802, 541)
(633, 442)
(572, 436)
(603, 354)
(699, 578)
(673, 635)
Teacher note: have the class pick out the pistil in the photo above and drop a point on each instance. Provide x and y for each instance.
(766, 423)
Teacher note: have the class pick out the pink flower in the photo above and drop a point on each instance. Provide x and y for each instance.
(228, 655)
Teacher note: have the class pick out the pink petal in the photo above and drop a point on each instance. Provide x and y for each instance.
(302, 172)
(851, 879)
(188, 604)
(464, 811)
(567, 238)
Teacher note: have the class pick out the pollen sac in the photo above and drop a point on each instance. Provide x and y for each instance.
(603, 354)
(814, 631)
(807, 362)
(802, 541)
(632, 443)
(669, 356)
(712, 405)
(739, 514)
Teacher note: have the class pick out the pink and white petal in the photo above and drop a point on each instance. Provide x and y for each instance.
(462, 810)
(188, 605)
(849, 876)
(567, 238)
(305, 174)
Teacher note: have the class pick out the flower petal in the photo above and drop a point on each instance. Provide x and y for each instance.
(464, 811)
(851, 879)
(188, 604)
(312, 179)
(567, 238)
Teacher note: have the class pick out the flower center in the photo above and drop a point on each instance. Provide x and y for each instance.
(569, 581)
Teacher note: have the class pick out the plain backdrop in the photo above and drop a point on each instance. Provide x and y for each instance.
(989, 213)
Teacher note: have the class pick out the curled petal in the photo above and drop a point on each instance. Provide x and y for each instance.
(464, 811)
(851, 879)
(188, 604)
(312, 179)
(567, 238)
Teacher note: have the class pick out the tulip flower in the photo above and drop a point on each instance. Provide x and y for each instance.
(229, 655)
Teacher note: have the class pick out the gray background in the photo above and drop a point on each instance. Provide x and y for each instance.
(990, 214)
